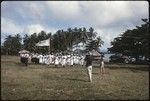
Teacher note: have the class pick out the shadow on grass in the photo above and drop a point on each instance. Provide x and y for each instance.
(21, 65)
(75, 79)
(134, 69)
(53, 66)
(95, 73)
(56, 77)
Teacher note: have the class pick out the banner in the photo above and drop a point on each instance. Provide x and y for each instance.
(44, 43)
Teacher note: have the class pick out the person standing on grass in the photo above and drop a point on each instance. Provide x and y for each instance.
(102, 69)
(71, 61)
(24, 58)
(63, 62)
(88, 60)
(56, 61)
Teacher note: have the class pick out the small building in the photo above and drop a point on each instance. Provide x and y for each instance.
(96, 55)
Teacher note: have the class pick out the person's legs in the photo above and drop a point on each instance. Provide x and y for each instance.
(26, 61)
(103, 69)
(90, 73)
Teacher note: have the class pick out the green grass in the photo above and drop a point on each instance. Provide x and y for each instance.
(42, 82)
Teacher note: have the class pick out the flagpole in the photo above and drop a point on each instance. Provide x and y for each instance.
(49, 45)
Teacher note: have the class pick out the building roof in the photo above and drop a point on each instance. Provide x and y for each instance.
(95, 53)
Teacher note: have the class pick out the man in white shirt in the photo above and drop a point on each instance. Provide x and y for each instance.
(56, 61)
(88, 60)
(40, 58)
(63, 62)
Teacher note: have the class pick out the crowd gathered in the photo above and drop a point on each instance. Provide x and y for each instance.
(53, 59)
(63, 60)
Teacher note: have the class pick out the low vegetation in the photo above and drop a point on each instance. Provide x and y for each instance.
(42, 82)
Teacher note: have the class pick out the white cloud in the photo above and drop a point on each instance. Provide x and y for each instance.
(108, 35)
(24, 11)
(36, 28)
(111, 18)
(8, 26)
(108, 18)
(64, 10)
(103, 13)
(30, 29)
(34, 11)
(140, 8)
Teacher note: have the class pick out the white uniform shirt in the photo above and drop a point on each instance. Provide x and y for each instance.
(56, 61)
(71, 61)
(47, 59)
(63, 60)
(25, 55)
(40, 58)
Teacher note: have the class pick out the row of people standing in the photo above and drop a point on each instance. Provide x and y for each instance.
(58, 59)
(63, 60)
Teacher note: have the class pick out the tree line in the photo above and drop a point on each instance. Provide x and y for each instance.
(60, 41)
(133, 42)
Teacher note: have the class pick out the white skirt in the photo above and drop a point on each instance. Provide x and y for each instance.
(56, 62)
(40, 60)
(63, 62)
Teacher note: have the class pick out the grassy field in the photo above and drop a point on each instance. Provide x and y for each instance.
(42, 82)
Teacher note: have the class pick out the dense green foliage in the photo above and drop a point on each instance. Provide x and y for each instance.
(30, 41)
(133, 42)
(94, 44)
(12, 45)
(60, 41)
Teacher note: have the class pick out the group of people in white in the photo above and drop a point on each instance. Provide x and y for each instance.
(59, 59)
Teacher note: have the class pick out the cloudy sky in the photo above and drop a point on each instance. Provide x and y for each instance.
(108, 18)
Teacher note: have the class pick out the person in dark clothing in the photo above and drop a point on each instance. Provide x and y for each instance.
(24, 58)
(88, 60)
(35, 60)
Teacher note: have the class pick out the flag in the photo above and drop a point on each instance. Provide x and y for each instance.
(43, 43)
